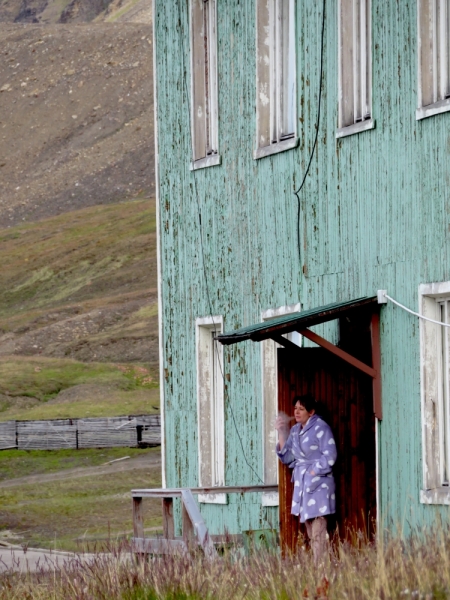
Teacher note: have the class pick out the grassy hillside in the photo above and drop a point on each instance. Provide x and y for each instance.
(128, 11)
(85, 256)
(43, 388)
(79, 288)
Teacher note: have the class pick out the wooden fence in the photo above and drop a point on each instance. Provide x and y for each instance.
(8, 435)
(131, 431)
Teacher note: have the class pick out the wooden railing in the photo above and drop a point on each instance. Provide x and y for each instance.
(194, 530)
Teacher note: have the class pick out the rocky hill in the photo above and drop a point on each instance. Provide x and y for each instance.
(76, 117)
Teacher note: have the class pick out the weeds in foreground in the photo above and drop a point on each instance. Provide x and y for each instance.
(417, 569)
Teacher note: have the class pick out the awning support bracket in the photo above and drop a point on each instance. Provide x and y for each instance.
(374, 372)
(320, 341)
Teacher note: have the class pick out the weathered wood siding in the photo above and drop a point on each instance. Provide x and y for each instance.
(53, 434)
(8, 435)
(374, 215)
(46, 435)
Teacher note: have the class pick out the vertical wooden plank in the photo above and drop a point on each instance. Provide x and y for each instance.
(187, 527)
(168, 523)
(289, 524)
(376, 363)
(138, 520)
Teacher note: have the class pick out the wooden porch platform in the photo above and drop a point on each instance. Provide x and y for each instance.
(194, 530)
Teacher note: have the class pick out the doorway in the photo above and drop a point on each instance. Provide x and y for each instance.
(345, 393)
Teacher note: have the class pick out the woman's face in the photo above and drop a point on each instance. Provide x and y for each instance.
(301, 414)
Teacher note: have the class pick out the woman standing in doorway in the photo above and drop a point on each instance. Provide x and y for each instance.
(310, 450)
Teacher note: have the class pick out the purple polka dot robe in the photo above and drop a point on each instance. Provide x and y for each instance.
(307, 450)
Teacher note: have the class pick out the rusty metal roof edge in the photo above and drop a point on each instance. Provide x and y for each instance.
(287, 323)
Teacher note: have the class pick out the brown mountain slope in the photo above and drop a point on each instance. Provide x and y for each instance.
(51, 11)
(74, 11)
(76, 117)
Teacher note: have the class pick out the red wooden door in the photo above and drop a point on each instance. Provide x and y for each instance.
(346, 396)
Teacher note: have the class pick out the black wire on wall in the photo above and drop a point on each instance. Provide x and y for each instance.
(319, 104)
(205, 273)
(296, 193)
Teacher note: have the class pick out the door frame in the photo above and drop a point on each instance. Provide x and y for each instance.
(373, 371)
(346, 397)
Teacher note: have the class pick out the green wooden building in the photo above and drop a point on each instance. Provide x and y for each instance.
(254, 277)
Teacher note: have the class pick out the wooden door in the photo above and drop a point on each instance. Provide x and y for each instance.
(346, 396)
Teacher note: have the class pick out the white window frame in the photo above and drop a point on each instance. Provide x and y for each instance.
(272, 107)
(433, 57)
(435, 431)
(204, 87)
(269, 372)
(210, 408)
(355, 83)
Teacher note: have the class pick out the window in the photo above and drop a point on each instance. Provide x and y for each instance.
(435, 384)
(433, 25)
(275, 77)
(270, 401)
(355, 67)
(204, 84)
(210, 407)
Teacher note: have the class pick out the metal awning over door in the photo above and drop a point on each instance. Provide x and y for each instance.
(276, 328)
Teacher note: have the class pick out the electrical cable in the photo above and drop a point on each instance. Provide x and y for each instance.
(416, 314)
(203, 252)
(319, 104)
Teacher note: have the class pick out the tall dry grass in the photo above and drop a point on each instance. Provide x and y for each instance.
(418, 568)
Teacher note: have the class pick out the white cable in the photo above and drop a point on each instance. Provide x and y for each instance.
(415, 313)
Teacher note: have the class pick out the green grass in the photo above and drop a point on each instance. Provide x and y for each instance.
(119, 13)
(89, 254)
(44, 378)
(70, 285)
(106, 403)
(29, 388)
(74, 513)
(20, 463)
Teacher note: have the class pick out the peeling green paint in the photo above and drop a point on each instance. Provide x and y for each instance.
(374, 215)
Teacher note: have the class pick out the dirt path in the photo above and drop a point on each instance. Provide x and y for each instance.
(140, 462)
(16, 559)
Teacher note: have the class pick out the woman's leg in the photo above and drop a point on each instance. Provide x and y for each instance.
(317, 533)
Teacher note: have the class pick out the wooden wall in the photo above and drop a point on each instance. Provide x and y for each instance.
(374, 215)
(92, 432)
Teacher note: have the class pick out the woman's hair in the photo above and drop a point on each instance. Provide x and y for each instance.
(308, 401)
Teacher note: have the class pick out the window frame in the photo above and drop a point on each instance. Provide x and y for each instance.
(211, 97)
(210, 390)
(439, 105)
(366, 123)
(431, 388)
(269, 73)
(269, 386)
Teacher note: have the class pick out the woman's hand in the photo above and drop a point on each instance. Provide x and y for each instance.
(282, 426)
